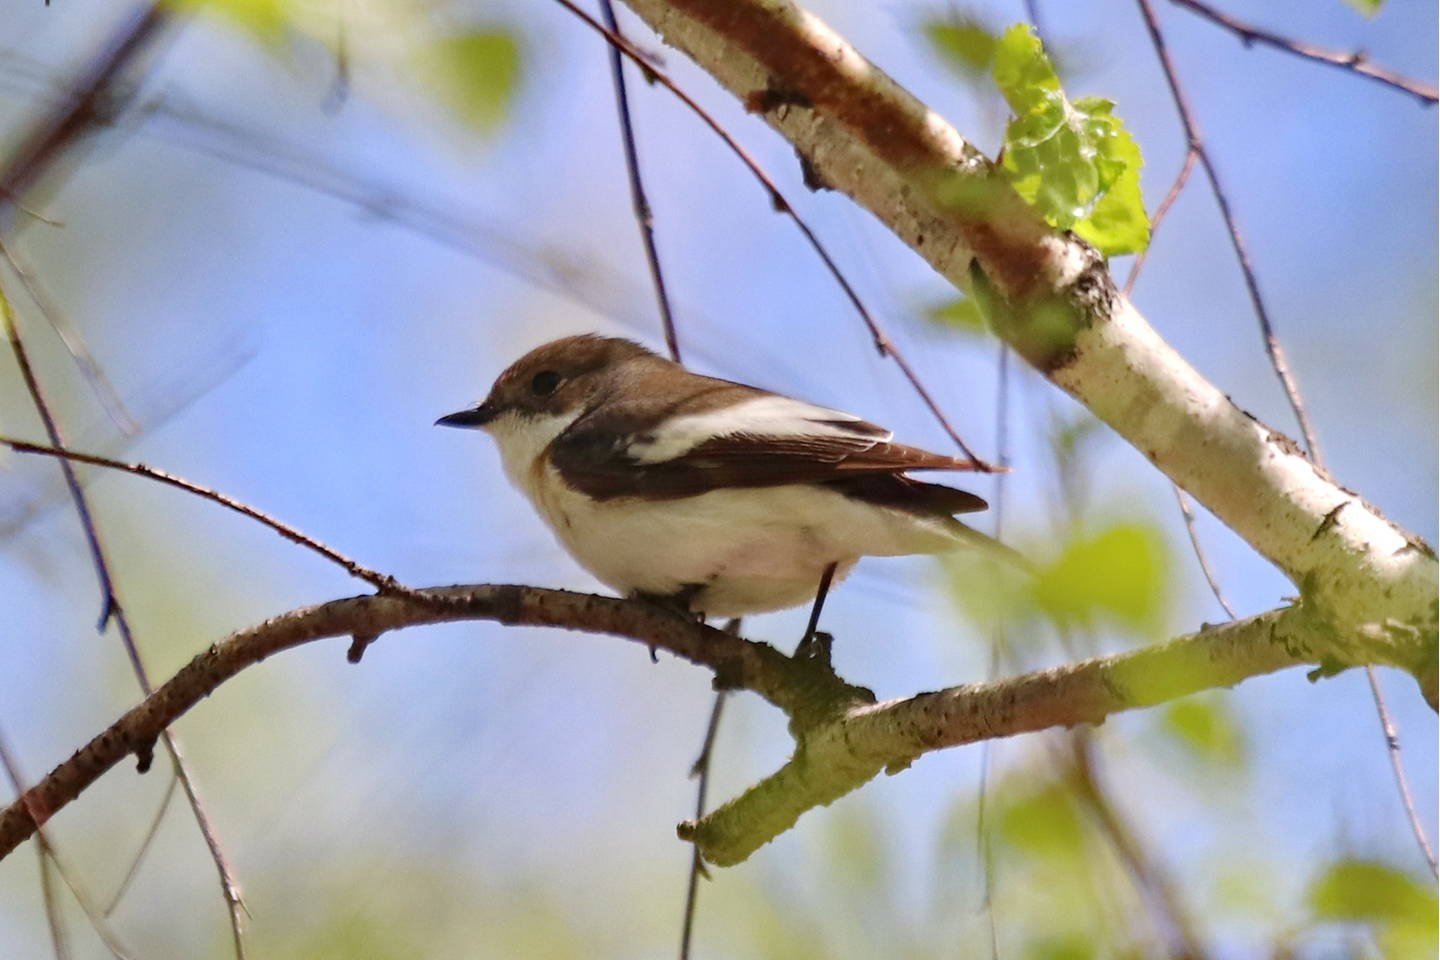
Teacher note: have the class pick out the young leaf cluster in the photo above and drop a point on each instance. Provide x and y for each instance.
(1072, 159)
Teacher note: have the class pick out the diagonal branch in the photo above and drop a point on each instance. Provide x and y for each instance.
(1050, 296)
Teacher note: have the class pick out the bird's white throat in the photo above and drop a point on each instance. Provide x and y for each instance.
(522, 439)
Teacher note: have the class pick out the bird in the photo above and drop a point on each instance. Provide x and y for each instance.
(709, 496)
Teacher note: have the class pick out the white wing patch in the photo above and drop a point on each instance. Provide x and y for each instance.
(772, 416)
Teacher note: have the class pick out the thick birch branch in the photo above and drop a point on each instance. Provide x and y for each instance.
(1050, 296)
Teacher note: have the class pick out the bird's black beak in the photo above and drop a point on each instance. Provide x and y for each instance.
(477, 416)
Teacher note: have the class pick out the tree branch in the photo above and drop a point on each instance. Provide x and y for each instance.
(1355, 60)
(796, 687)
(1049, 295)
(844, 737)
(843, 755)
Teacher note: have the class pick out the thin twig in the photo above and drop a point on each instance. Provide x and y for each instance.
(230, 889)
(113, 611)
(644, 217)
(96, 96)
(1171, 195)
(1282, 371)
(145, 845)
(1146, 873)
(1397, 767)
(59, 936)
(1189, 515)
(254, 150)
(1353, 61)
(701, 772)
(1032, 13)
(999, 640)
(49, 858)
(1273, 349)
(381, 581)
(74, 340)
(881, 339)
(94, 99)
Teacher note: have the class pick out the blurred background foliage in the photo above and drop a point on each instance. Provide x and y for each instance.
(321, 224)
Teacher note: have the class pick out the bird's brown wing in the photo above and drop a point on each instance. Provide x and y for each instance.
(604, 456)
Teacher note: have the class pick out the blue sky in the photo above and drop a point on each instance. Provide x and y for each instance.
(320, 342)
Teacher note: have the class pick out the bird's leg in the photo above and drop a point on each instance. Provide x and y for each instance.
(677, 603)
(815, 645)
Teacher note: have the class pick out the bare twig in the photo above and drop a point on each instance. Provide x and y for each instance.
(150, 834)
(1273, 349)
(1397, 767)
(381, 581)
(229, 887)
(1032, 13)
(74, 341)
(1353, 61)
(113, 611)
(701, 772)
(438, 221)
(1189, 516)
(999, 640)
(1281, 367)
(1171, 195)
(59, 936)
(50, 858)
(881, 339)
(1149, 876)
(95, 98)
(644, 217)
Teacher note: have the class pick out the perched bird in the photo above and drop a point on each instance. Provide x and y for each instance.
(717, 497)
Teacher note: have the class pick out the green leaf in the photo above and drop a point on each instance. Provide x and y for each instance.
(475, 73)
(1043, 822)
(854, 849)
(1367, 7)
(1074, 161)
(1071, 947)
(267, 20)
(963, 43)
(1207, 726)
(1367, 890)
(1117, 574)
(961, 313)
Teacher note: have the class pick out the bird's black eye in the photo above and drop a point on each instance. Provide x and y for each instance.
(544, 383)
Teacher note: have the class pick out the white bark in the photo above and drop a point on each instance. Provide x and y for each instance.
(1372, 584)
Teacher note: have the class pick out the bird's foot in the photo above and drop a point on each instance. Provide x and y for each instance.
(677, 603)
(815, 648)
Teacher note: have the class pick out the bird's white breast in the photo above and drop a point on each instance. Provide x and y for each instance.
(750, 550)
